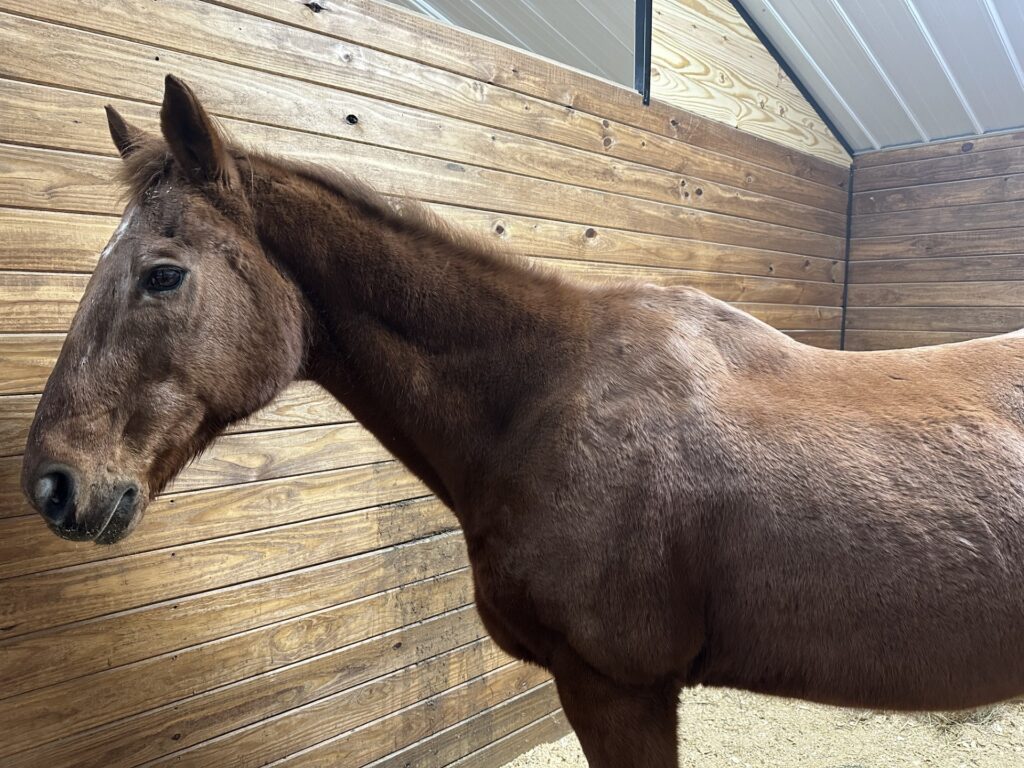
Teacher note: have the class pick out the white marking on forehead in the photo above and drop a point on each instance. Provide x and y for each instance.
(126, 222)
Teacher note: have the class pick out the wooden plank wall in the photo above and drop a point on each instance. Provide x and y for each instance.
(706, 59)
(296, 595)
(937, 249)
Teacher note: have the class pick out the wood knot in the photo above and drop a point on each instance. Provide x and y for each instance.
(590, 232)
(351, 119)
(607, 141)
(315, 7)
(499, 229)
(967, 146)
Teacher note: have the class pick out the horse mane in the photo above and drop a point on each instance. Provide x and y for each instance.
(150, 161)
(408, 216)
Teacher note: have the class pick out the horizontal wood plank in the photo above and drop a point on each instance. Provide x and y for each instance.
(565, 240)
(868, 341)
(941, 169)
(157, 732)
(442, 46)
(946, 269)
(27, 602)
(948, 148)
(974, 243)
(120, 692)
(950, 194)
(49, 241)
(955, 219)
(52, 656)
(26, 360)
(40, 302)
(444, 747)
(28, 546)
(65, 119)
(547, 729)
(58, 180)
(953, 294)
(962, 319)
(278, 737)
(388, 734)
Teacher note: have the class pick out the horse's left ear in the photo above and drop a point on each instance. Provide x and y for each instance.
(127, 138)
(194, 139)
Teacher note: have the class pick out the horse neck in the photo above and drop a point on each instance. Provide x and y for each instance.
(438, 346)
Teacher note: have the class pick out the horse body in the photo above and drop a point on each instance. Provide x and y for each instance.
(656, 489)
(847, 528)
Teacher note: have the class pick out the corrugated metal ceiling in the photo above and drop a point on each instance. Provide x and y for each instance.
(896, 72)
(593, 35)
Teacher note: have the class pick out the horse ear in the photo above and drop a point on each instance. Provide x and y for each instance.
(191, 134)
(126, 136)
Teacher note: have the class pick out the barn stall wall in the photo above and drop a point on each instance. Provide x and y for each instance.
(937, 243)
(296, 594)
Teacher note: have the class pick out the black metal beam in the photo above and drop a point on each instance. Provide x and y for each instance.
(777, 55)
(642, 49)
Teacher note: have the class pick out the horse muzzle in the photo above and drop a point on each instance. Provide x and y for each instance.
(102, 512)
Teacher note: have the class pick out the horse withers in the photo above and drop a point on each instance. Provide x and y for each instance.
(656, 489)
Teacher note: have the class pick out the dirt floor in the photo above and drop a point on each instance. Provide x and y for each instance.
(730, 729)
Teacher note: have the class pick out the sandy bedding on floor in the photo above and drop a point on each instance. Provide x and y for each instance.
(733, 729)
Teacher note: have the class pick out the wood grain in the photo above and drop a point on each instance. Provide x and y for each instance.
(953, 219)
(38, 302)
(52, 656)
(27, 546)
(936, 249)
(95, 589)
(703, 60)
(948, 148)
(431, 715)
(58, 180)
(979, 242)
(444, 747)
(547, 729)
(964, 319)
(953, 294)
(866, 341)
(947, 269)
(995, 189)
(278, 737)
(441, 46)
(76, 120)
(26, 360)
(169, 728)
(112, 694)
(941, 169)
(30, 241)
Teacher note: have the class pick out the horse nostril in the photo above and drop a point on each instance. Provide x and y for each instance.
(54, 493)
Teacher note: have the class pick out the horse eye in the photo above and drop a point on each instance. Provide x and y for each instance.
(160, 279)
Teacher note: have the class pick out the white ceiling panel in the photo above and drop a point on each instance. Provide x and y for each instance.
(898, 72)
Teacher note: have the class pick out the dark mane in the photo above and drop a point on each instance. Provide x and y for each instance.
(406, 215)
(151, 162)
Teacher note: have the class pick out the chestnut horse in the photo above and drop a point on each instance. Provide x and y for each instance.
(657, 490)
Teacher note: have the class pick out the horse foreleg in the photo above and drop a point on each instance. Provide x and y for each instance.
(619, 726)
